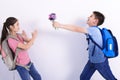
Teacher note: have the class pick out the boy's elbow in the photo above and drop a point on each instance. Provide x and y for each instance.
(82, 30)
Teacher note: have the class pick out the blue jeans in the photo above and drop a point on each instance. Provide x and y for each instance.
(103, 69)
(25, 74)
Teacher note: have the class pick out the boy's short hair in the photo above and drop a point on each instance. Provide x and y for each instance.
(100, 17)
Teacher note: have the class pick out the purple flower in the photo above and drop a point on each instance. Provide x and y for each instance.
(52, 16)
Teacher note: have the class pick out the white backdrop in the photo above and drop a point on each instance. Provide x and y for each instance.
(59, 54)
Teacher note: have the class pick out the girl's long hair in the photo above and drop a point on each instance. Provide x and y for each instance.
(6, 27)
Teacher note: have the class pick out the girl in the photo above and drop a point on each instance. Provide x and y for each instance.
(11, 27)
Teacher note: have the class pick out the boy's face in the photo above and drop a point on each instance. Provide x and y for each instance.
(92, 21)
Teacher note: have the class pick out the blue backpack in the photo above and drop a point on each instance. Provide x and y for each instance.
(110, 45)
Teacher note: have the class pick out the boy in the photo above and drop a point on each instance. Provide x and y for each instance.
(97, 60)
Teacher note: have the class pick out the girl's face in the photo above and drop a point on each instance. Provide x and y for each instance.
(92, 21)
(15, 27)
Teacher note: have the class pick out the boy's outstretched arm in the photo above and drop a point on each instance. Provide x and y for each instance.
(70, 27)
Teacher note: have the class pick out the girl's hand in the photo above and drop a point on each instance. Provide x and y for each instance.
(24, 35)
(34, 33)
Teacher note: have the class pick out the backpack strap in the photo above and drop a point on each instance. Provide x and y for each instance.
(94, 42)
(89, 37)
(17, 50)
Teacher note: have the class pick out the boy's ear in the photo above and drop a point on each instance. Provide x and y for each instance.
(96, 21)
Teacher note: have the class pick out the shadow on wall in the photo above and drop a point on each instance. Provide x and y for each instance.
(78, 51)
(78, 55)
(64, 53)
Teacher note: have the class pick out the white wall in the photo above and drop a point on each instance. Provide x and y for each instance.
(59, 54)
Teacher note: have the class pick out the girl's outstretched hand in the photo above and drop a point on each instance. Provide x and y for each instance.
(34, 33)
(24, 35)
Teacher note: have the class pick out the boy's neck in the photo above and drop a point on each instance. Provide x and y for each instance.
(92, 25)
